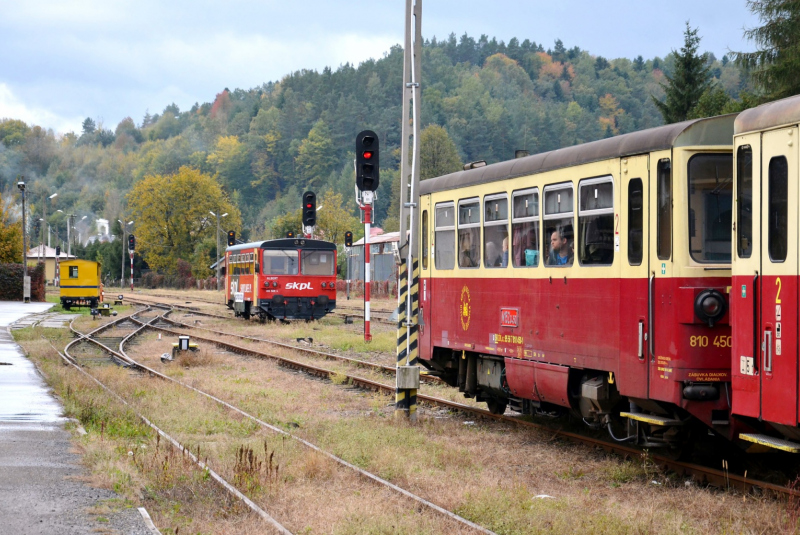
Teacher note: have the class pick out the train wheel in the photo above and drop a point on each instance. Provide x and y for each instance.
(497, 405)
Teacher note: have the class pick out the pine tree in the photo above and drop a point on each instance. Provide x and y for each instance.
(775, 66)
(688, 83)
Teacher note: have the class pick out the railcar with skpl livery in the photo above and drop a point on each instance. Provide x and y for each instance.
(284, 279)
(81, 284)
(593, 279)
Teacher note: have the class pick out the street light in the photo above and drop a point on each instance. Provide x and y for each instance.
(217, 250)
(44, 218)
(122, 274)
(26, 283)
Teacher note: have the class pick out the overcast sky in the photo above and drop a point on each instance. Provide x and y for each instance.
(62, 61)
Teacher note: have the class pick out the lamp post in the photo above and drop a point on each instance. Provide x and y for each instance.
(122, 274)
(44, 221)
(26, 281)
(217, 250)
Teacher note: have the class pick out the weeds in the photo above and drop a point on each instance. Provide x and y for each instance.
(252, 474)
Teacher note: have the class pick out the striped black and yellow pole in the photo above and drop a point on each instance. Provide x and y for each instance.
(407, 345)
(401, 407)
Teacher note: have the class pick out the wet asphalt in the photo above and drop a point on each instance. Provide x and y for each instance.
(42, 483)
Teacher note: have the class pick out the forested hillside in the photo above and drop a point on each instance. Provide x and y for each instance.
(267, 145)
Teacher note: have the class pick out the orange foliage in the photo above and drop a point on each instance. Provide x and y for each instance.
(222, 106)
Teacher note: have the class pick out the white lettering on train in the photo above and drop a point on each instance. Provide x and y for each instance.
(299, 286)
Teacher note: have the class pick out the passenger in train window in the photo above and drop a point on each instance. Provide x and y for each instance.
(493, 258)
(504, 258)
(560, 251)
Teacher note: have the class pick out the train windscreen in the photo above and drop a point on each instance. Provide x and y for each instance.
(280, 262)
(318, 263)
(710, 207)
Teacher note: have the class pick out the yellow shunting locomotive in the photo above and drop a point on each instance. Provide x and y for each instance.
(80, 284)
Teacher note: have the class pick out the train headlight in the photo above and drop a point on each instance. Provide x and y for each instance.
(710, 306)
(274, 284)
(324, 284)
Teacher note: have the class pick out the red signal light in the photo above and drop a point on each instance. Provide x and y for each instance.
(367, 154)
(309, 205)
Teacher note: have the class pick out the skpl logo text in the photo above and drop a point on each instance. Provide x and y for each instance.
(299, 286)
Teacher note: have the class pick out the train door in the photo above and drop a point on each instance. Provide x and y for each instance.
(778, 290)
(633, 235)
(425, 280)
(746, 267)
(659, 287)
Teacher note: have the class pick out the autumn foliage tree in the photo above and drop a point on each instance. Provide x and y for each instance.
(10, 236)
(173, 219)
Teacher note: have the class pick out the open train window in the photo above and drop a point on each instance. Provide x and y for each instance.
(525, 228)
(710, 207)
(635, 222)
(279, 262)
(596, 221)
(445, 235)
(664, 207)
(778, 214)
(744, 201)
(558, 221)
(73, 272)
(469, 233)
(495, 230)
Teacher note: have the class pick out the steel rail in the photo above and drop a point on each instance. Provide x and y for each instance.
(214, 475)
(339, 460)
(704, 475)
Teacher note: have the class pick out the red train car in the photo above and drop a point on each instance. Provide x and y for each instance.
(292, 278)
(593, 279)
(766, 290)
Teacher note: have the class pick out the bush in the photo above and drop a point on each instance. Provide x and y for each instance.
(11, 282)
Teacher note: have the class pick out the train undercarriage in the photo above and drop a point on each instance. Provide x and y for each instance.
(591, 396)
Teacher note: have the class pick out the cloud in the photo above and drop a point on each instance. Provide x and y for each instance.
(13, 108)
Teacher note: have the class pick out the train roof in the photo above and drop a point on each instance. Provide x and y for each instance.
(285, 243)
(710, 131)
(770, 115)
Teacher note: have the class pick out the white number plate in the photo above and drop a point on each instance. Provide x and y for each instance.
(238, 297)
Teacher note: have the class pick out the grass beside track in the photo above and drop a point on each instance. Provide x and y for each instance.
(507, 479)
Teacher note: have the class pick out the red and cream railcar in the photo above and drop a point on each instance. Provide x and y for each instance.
(593, 278)
(765, 294)
(293, 278)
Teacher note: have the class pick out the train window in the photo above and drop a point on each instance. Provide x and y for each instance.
(744, 201)
(424, 239)
(495, 230)
(664, 214)
(525, 228)
(445, 236)
(558, 221)
(318, 263)
(277, 262)
(778, 215)
(710, 207)
(596, 221)
(635, 222)
(469, 233)
(73, 272)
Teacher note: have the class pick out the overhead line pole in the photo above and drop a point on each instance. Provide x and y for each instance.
(408, 272)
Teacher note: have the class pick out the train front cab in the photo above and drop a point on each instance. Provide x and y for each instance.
(625, 333)
(764, 298)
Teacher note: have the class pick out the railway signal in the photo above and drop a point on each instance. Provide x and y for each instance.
(290, 234)
(131, 242)
(367, 161)
(348, 239)
(309, 209)
(231, 238)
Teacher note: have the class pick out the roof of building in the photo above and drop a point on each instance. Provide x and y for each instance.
(46, 252)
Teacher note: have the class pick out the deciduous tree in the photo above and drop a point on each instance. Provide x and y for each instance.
(438, 154)
(172, 215)
(10, 235)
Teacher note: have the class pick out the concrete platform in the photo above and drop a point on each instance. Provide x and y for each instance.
(40, 487)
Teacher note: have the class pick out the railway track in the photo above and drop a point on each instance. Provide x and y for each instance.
(120, 356)
(701, 474)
